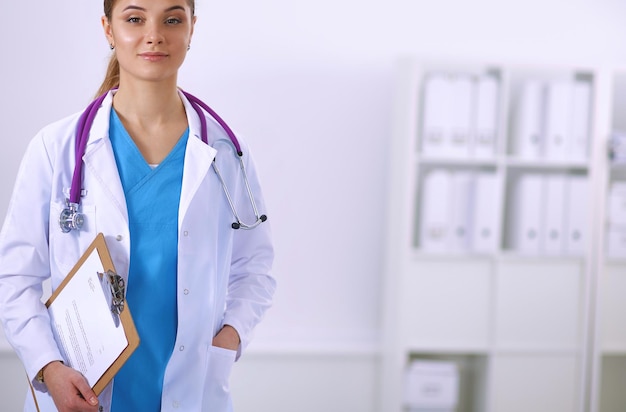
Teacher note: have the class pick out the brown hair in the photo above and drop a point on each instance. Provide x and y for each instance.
(112, 76)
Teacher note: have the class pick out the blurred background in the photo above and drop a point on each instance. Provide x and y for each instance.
(312, 86)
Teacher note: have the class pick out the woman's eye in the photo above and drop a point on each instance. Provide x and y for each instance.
(133, 20)
(173, 21)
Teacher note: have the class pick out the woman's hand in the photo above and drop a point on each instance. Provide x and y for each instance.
(69, 389)
(227, 338)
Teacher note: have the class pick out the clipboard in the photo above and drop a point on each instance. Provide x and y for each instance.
(117, 303)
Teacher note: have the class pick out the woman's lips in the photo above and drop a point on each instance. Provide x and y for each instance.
(153, 56)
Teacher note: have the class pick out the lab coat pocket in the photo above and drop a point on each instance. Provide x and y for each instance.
(216, 386)
(67, 248)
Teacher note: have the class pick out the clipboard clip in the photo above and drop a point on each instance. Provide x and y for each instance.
(117, 289)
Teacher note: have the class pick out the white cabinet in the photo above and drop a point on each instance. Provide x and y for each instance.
(530, 382)
(495, 254)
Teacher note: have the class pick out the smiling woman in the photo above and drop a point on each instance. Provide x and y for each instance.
(197, 286)
(150, 45)
(126, 25)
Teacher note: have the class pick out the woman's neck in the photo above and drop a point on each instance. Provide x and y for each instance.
(148, 103)
(154, 116)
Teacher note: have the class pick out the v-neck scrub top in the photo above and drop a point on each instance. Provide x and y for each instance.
(152, 199)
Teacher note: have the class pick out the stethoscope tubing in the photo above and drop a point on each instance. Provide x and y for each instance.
(82, 132)
(89, 115)
(195, 102)
(198, 105)
(85, 119)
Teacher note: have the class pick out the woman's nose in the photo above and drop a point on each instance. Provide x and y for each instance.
(154, 35)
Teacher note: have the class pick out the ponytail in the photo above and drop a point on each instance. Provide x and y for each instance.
(112, 77)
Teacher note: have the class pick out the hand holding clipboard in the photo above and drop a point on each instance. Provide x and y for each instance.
(90, 319)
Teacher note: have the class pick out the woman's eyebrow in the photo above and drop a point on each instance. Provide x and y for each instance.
(175, 8)
(134, 8)
(131, 7)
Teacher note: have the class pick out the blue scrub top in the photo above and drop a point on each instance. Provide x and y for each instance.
(152, 199)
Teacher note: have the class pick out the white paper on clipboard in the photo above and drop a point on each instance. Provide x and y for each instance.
(88, 335)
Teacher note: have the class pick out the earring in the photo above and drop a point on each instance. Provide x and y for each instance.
(188, 47)
(111, 46)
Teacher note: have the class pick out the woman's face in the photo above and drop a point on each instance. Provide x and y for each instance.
(151, 37)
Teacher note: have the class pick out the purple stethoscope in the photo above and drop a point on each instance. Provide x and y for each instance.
(72, 219)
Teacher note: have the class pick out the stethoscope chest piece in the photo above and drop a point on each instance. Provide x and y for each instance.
(70, 219)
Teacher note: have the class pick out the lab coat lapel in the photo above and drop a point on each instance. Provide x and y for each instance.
(198, 158)
(100, 160)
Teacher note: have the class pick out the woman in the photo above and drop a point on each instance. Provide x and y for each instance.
(196, 286)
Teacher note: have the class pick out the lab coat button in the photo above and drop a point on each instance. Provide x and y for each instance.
(118, 238)
(186, 291)
(185, 233)
(182, 348)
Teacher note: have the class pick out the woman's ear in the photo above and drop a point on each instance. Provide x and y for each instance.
(108, 31)
(193, 24)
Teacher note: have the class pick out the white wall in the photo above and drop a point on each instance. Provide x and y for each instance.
(310, 84)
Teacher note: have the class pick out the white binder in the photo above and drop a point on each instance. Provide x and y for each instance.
(527, 211)
(460, 116)
(435, 215)
(486, 227)
(558, 117)
(485, 118)
(435, 115)
(578, 144)
(555, 211)
(529, 125)
(461, 208)
(577, 214)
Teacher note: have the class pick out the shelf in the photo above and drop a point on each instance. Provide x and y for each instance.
(513, 256)
(511, 162)
(446, 349)
(557, 165)
(460, 162)
(499, 256)
(544, 350)
(457, 256)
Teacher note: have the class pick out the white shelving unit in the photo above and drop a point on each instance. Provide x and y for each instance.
(609, 354)
(524, 328)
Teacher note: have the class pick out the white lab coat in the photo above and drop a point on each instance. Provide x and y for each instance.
(223, 274)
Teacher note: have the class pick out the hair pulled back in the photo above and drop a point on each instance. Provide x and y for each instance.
(112, 76)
